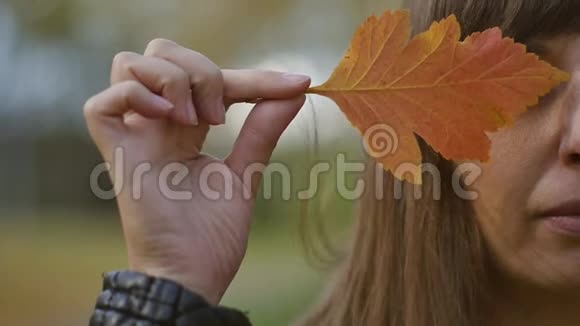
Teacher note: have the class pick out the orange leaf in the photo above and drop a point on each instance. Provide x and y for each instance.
(448, 92)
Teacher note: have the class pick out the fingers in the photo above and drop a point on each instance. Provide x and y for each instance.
(104, 112)
(161, 77)
(210, 85)
(260, 134)
(204, 76)
(245, 85)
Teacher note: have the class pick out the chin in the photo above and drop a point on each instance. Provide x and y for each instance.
(552, 264)
(554, 268)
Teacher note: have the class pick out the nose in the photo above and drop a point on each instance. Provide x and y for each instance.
(570, 145)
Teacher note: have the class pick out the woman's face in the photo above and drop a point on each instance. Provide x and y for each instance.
(529, 193)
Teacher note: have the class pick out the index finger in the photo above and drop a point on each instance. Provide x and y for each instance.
(246, 85)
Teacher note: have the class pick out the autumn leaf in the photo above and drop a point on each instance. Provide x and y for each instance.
(448, 92)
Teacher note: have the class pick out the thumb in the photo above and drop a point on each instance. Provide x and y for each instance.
(260, 134)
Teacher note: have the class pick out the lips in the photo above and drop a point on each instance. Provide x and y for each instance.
(569, 208)
(564, 218)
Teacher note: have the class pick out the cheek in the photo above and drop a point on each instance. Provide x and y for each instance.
(518, 160)
(509, 177)
(503, 188)
(520, 155)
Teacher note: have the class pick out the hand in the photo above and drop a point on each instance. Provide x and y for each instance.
(158, 111)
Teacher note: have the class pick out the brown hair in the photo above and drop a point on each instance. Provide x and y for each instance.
(418, 262)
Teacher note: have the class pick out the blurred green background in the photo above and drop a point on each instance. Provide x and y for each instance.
(56, 237)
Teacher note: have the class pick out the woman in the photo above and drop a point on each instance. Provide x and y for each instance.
(510, 257)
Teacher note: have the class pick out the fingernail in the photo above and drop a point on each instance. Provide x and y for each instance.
(295, 78)
(191, 114)
(161, 103)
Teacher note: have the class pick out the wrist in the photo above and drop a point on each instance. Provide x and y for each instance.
(192, 283)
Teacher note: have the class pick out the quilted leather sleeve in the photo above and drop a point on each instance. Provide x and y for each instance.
(136, 299)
